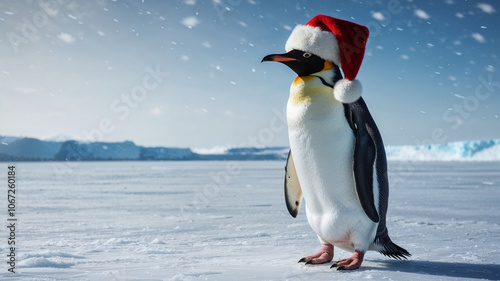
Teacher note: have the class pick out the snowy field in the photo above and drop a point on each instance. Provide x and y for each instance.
(228, 221)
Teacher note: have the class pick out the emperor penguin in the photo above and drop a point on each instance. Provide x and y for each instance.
(337, 161)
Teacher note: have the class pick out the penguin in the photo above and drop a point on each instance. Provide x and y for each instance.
(337, 161)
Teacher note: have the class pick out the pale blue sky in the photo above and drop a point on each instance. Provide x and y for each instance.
(67, 67)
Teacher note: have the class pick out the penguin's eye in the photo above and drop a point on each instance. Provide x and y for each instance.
(306, 55)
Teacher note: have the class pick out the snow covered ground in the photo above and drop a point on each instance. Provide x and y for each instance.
(228, 221)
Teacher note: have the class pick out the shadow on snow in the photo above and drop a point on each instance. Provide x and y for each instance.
(450, 269)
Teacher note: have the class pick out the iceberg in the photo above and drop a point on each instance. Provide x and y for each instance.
(483, 150)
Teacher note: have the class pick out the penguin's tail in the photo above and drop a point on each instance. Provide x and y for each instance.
(392, 250)
(386, 247)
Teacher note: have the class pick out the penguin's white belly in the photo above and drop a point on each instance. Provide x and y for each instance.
(322, 145)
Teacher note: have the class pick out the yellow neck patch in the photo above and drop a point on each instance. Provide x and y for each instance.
(298, 92)
(305, 88)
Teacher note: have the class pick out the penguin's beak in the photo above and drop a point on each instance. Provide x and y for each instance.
(279, 58)
(300, 62)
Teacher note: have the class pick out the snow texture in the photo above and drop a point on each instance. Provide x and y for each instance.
(228, 221)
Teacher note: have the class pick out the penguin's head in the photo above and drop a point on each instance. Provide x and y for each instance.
(302, 63)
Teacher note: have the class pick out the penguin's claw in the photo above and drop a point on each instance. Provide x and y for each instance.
(323, 256)
(334, 264)
(353, 262)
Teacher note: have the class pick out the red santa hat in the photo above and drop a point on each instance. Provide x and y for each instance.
(339, 41)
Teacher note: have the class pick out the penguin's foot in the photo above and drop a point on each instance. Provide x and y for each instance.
(351, 263)
(323, 256)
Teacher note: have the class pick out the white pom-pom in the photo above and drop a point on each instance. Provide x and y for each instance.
(347, 91)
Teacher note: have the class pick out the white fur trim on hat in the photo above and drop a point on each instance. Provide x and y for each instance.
(316, 41)
(347, 91)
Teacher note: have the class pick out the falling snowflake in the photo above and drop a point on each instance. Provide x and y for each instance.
(487, 8)
(479, 38)
(66, 38)
(378, 16)
(190, 22)
(422, 14)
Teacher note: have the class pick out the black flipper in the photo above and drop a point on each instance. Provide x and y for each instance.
(369, 161)
(365, 155)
